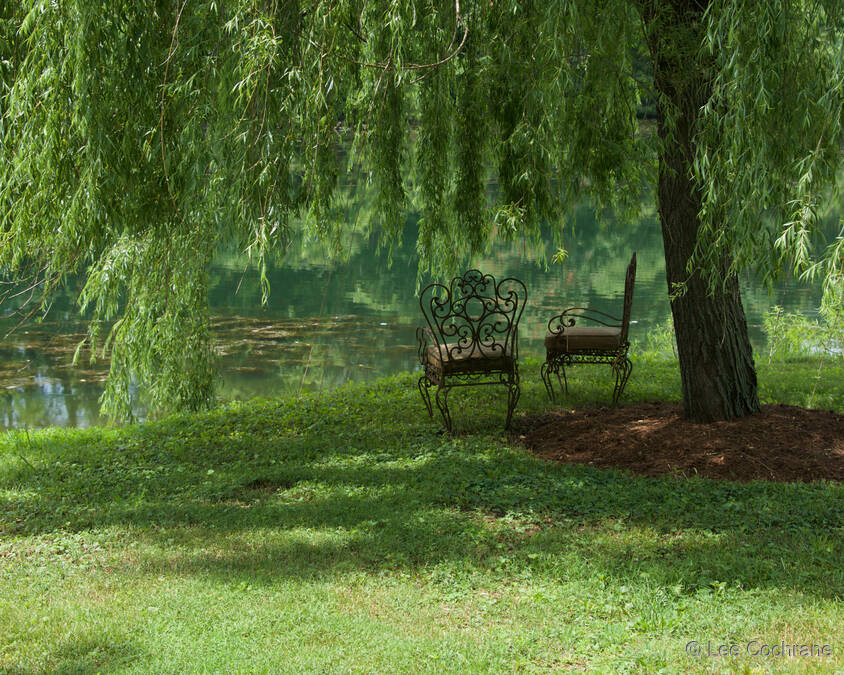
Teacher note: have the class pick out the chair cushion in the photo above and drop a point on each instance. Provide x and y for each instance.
(481, 359)
(576, 338)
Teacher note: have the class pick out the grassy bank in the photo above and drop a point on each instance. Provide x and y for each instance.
(344, 532)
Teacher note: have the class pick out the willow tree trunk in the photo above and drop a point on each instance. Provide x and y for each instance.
(716, 359)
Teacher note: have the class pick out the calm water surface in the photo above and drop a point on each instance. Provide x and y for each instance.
(330, 322)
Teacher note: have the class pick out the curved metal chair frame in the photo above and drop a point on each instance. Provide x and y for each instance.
(471, 338)
(556, 360)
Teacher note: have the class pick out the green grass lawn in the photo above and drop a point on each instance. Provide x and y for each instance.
(344, 532)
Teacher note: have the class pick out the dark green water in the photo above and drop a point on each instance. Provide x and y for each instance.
(330, 322)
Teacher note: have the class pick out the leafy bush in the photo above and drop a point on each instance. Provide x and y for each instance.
(660, 342)
(793, 335)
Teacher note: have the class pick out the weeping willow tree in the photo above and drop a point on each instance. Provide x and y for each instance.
(137, 135)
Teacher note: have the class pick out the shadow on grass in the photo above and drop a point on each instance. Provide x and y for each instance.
(271, 490)
(87, 655)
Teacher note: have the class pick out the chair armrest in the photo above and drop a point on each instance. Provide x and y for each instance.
(568, 318)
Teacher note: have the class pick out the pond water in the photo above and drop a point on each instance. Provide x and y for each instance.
(330, 322)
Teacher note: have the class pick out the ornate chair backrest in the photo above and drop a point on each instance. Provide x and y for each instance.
(629, 281)
(473, 317)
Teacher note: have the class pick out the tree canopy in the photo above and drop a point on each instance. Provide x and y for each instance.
(138, 135)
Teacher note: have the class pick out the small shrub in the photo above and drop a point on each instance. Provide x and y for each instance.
(793, 336)
(660, 342)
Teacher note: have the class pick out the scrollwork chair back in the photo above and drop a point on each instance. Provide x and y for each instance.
(471, 337)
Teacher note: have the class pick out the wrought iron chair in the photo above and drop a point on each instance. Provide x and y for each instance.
(568, 344)
(471, 338)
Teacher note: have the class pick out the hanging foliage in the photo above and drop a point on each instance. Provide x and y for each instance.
(137, 135)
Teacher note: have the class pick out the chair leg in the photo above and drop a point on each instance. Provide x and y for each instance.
(442, 404)
(424, 384)
(622, 368)
(545, 374)
(564, 385)
(556, 366)
(513, 393)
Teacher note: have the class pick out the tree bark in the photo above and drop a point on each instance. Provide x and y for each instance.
(716, 359)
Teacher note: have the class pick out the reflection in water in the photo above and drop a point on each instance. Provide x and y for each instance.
(328, 323)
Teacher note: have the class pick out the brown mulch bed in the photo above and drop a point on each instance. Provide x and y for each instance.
(781, 443)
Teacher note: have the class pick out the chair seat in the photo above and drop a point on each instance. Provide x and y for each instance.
(450, 358)
(577, 338)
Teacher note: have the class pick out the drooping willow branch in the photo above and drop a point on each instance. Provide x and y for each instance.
(387, 65)
(171, 51)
